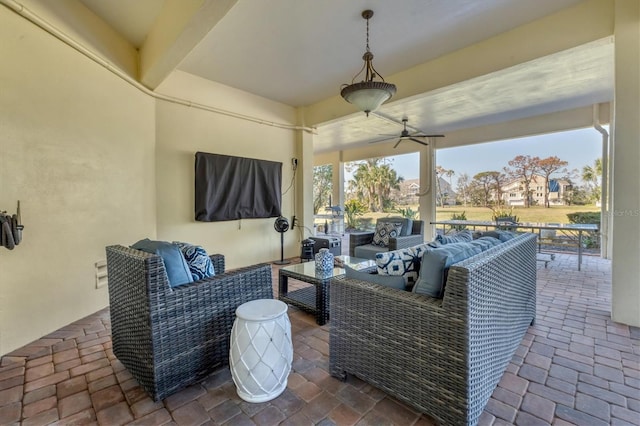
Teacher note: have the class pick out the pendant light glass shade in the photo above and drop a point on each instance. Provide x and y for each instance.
(367, 95)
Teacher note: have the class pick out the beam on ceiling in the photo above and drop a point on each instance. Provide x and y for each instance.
(181, 25)
(551, 34)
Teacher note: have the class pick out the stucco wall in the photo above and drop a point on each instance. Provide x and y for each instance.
(182, 131)
(77, 149)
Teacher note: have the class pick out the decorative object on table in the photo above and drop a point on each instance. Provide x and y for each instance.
(281, 225)
(367, 95)
(324, 261)
(10, 229)
(261, 350)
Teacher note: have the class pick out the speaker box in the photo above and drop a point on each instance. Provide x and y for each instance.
(332, 243)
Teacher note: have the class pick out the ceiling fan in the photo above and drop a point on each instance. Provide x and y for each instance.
(415, 137)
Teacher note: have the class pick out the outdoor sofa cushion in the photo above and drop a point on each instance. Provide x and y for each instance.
(396, 282)
(176, 266)
(459, 237)
(369, 251)
(435, 263)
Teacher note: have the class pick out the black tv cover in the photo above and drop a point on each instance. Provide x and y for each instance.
(230, 188)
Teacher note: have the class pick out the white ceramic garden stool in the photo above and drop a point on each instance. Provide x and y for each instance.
(261, 351)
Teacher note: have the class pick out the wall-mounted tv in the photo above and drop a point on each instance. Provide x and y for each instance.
(231, 188)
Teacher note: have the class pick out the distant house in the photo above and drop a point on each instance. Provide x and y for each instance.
(513, 193)
(410, 188)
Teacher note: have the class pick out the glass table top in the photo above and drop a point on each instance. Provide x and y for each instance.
(309, 268)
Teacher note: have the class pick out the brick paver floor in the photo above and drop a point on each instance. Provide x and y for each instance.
(574, 367)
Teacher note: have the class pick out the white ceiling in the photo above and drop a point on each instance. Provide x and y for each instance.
(299, 52)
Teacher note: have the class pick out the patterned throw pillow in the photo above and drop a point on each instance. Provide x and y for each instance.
(400, 262)
(197, 259)
(419, 250)
(384, 231)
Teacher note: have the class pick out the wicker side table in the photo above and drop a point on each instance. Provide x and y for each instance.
(261, 350)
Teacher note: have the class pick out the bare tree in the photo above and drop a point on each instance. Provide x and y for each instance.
(463, 187)
(499, 180)
(548, 166)
(523, 169)
(484, 182)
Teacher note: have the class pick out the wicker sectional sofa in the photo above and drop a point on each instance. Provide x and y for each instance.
(443, 356)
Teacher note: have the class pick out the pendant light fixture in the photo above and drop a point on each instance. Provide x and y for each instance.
(367, 94)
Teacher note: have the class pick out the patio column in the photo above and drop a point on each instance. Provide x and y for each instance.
(625, 306)
(304, 184)
(427, 206)
(337, 183)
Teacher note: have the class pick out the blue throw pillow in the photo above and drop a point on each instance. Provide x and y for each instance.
(197, 259)
(485, 243)
(174, 263)
(435, 265)
(392, 281)
(499, 234)
(459, 237)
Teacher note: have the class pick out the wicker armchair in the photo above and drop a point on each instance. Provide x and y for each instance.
(169, 338)
(444, 356)
(365, 240)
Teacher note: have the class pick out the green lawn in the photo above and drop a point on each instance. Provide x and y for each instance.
(554, 214)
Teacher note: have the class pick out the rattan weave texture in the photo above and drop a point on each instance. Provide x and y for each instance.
(169, 338)
(442, 356)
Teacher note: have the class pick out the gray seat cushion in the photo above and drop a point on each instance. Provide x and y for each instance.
(392, 281)
(369, 251)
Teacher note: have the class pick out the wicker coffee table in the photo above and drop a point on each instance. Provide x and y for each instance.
(314, 298)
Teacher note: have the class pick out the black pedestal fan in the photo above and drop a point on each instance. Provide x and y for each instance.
(281, 225)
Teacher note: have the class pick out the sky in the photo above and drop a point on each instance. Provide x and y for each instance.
(578, 147)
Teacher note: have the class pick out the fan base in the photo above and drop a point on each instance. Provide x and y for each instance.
(282, 262)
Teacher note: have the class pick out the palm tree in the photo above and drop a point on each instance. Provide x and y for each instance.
(591, 176)
(373, 181)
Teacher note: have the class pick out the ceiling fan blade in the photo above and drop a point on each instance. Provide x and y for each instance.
(419, 141)
(397, 143)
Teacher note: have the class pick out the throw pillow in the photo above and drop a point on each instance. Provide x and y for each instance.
(385, 280)
(175, 265)
(400, 262)
(499, 234)
(421, 249)
(407, 224)
(435, 265)
(386, 230)
(197, 259)
(484, 243)
(459, 237)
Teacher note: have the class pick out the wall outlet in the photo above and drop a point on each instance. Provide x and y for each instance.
(294, 163)
(102, 279)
